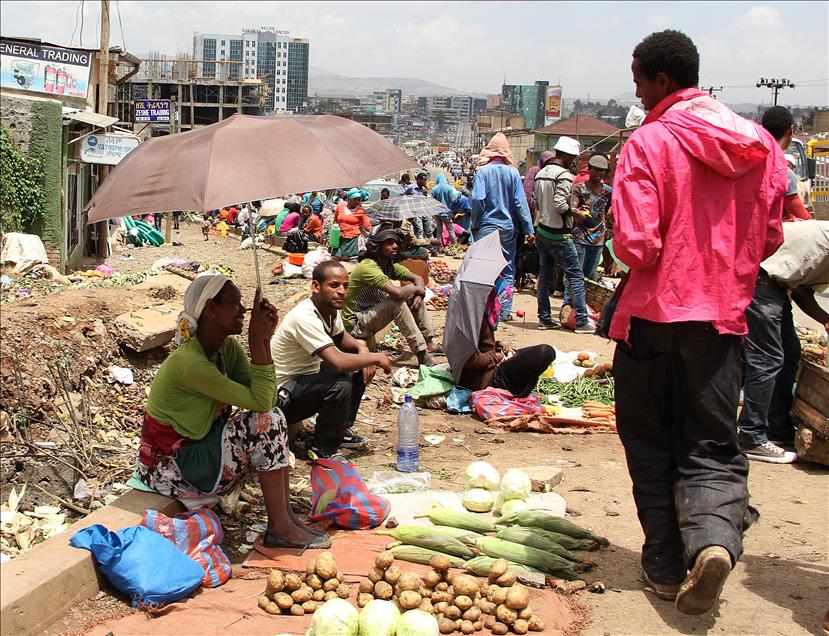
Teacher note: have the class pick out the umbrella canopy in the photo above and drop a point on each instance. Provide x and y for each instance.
(244, 158)
(483, 262)
(406, 207)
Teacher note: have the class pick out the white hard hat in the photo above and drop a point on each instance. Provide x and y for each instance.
(568, 145)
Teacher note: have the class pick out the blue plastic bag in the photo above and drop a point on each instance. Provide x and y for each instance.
(458, 400)
(141, 563)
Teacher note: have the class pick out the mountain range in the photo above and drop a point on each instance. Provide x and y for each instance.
(327, 84)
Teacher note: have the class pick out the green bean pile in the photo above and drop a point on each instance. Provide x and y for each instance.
(575, 393)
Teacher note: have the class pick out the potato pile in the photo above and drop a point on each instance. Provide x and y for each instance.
(297, 595)
(507, 603)
(438, 303)
(387, 583)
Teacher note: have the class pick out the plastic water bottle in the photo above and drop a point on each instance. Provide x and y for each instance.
(408, 437)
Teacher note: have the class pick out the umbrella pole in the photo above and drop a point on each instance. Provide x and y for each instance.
(255, 253)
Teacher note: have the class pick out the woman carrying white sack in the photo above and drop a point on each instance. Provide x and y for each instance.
(193, 442)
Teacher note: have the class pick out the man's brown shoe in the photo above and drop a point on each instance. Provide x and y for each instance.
(701, 589)
(665, 591)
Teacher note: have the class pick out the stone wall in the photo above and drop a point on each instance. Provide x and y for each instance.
(36, 128)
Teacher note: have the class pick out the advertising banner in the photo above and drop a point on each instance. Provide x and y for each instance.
(552, 105)
(151, 111)
(107, 149)
(44, 69)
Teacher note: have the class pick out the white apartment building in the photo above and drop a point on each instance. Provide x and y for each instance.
(265, 53)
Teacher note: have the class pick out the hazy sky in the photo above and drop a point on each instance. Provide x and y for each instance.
(474, 45)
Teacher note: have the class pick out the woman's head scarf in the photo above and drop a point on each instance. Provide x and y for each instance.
(203, 288)
(500, 293)
(497, 148)
(357, 193)
(316, 206)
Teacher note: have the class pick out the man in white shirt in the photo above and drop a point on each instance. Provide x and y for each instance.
(772, 349)
(320, 369)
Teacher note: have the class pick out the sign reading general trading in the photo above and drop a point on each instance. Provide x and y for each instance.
(151, 111)
(107, 149)
(44, 69)
(552, 105)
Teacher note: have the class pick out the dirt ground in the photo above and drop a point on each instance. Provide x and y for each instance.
(780, 586)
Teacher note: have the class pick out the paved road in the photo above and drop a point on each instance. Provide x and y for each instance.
(463, 136)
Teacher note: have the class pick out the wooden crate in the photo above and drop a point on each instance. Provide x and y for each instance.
(811, 407)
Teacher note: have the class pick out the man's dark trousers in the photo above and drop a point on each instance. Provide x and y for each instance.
(677, 389)
(333, 397)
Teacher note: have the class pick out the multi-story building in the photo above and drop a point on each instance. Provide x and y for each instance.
(195, 100)
(450, 107)
(265, 53)
(527, 100)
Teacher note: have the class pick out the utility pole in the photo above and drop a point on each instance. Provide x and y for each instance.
(711, 90)
(776, 85)
(103, 94)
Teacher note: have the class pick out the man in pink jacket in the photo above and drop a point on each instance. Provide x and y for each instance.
(697, 204)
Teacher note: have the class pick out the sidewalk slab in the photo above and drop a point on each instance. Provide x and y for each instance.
(38, 587)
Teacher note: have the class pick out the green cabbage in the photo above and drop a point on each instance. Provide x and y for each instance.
(417, 623)
(335, 618)
(513, 505)
(482, 475)
(478, 500)
(515, 484)
(379, 618)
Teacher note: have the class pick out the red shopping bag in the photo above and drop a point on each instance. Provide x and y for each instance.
(199, 535)
(340, 494)
(489, 403)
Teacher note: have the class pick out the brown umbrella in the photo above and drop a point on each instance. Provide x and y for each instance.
(244, 158)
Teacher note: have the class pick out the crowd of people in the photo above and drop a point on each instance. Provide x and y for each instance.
(702, 212)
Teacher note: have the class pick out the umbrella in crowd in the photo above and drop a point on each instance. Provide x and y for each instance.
(244, 158)
(406, 207)
(483, 262)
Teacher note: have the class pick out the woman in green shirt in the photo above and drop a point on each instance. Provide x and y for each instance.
(193, 442)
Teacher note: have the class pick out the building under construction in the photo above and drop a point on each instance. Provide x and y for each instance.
(196, 101)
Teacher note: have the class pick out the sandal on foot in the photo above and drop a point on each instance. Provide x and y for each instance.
(319, 543)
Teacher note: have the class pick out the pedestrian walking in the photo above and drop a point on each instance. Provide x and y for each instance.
(592, 199)
(447, 195)
(556, 219)
(499, 205)
(697, 204)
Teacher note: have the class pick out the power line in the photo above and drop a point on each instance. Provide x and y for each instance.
(75, 28)
(711, 90)
(120, 25)
(81, 40)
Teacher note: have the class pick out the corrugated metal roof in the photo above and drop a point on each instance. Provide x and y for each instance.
(93, 119)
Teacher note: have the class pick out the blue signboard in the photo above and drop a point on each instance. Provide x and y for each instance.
(151, 111)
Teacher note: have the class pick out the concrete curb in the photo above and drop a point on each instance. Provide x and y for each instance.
(40, 586)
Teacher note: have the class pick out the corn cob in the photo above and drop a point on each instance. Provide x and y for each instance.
(539, 519)
(534, 538)
(459, 519)
(564, 540)
(482, 566)
(415, 554)
(524, 554)
(467, 537)
(426, 537)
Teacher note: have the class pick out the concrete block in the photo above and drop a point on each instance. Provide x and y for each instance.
(146, 328)
(40, 586)
(544, 478)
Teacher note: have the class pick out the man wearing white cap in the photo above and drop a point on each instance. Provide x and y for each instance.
(556, 216)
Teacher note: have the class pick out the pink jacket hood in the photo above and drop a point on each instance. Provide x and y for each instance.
(711, 132)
